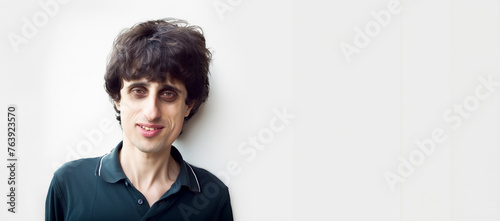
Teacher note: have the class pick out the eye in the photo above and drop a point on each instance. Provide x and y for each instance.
(168, 95)
(138, 92)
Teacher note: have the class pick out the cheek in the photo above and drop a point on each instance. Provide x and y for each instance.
(174, 114)
(127, 111)
(182, 110)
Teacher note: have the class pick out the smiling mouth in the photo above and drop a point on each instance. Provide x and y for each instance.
(149, 128)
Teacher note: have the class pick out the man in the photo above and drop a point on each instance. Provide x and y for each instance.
(157, 77)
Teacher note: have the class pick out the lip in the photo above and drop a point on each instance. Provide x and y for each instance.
(149, 133)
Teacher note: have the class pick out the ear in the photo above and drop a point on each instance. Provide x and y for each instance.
(189, 108)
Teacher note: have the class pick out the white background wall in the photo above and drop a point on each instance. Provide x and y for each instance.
(356, 117)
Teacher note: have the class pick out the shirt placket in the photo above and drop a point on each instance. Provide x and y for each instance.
(137, 198)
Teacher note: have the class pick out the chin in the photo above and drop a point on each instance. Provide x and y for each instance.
(149, 149)
(151, 146)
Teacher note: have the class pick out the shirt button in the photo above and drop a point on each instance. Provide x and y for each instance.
(140, 201)
(126, 183)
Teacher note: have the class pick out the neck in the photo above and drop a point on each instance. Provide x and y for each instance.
(146, 170)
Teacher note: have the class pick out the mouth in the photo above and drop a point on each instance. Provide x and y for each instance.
(149, 130)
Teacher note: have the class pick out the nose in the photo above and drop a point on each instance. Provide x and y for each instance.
(151, 109)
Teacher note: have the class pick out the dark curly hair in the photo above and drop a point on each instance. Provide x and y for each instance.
(156, 50)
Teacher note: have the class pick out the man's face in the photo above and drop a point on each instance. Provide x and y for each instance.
(152, 114)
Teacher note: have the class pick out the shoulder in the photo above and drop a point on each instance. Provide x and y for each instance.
(80, 165)
(72, 177)
(76, 170)
(207, 179)
(213, 189)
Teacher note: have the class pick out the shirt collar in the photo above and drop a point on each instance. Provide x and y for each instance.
(110, 169)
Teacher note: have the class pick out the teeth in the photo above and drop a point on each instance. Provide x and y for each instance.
(147, 128)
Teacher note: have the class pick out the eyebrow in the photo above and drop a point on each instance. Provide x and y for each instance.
(163, 87)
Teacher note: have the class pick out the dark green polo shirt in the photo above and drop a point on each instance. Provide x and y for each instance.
(97, 189)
